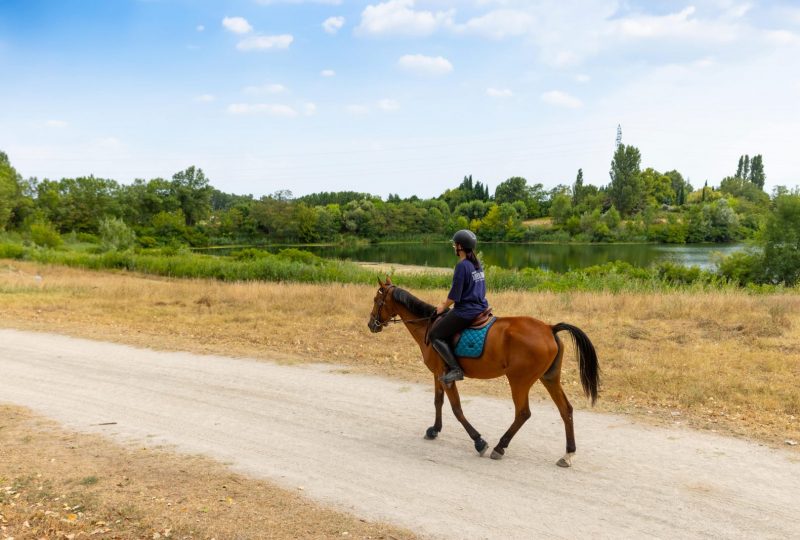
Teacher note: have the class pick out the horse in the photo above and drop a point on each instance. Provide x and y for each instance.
(523, 349)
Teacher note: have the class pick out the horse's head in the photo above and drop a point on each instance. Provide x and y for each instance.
(382, 307)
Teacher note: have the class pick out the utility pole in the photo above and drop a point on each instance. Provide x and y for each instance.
(619, 136)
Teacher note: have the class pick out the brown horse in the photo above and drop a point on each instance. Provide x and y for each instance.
(523, 349)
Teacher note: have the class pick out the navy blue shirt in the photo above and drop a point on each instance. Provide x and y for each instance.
(468, 290)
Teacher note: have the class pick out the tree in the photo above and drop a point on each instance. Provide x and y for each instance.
(757, 175)
(782, 241)
(626, 188)
(512, 190)
(577, 189)
(9, 190)
(193, 192)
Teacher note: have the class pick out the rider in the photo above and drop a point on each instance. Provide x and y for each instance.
(468, 293)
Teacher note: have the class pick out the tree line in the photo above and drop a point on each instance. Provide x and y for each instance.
(636, 205)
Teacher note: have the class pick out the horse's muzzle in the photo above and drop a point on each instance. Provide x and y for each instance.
(374, 326)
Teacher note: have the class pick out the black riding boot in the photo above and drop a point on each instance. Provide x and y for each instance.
(455, 372)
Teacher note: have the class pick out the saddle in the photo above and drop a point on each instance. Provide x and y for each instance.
(484, 319)
(469, 343)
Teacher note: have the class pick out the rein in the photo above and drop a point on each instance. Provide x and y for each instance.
(379, 322)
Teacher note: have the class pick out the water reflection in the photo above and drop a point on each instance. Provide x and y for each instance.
(558, 257)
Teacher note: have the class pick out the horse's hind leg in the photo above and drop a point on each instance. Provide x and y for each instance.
(438, 400)
(556, 392)
(519, 393)
(455, 403)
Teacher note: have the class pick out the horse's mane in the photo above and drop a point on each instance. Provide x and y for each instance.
(414, 304)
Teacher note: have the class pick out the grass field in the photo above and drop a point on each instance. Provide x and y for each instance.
(723, 361)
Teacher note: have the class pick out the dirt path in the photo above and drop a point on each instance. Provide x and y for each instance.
(355, 442)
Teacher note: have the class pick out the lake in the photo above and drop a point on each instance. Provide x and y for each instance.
(558, 257)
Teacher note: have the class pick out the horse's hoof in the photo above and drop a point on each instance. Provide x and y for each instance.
(431, 433)
(565, 461)
(496, 455)
(481, 446)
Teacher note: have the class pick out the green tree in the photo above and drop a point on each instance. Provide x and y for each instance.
(782, 241)
(193, 193)
(512, 190)
(9, 190)
(757, 175)
(561, 208)
(577, 189)
(626, 188)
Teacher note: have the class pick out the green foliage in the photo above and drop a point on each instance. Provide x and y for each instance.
(9, 191)
(11, 251)
(627, 187)
(742, 267)
(45, 235)
(116, 235)
(782, 241)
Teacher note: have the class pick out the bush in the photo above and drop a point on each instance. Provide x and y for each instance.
(11, 251)
(742, 267)
(115, 235)
(297, 255)
(45, 235)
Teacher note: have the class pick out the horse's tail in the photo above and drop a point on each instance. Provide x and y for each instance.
(587, 359)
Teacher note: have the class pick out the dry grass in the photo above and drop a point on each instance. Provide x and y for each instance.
(725, 361)
(59, 485)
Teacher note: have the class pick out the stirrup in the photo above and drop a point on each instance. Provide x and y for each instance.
(455, 374)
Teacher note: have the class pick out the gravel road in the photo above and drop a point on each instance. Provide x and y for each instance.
(356, 443)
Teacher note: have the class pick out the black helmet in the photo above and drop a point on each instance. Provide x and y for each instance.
(466, 238)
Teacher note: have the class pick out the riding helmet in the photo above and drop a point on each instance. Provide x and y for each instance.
(466, 238)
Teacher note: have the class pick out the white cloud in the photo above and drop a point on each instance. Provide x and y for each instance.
(309, 109)
(204, 98)
(265, 89)
(499, 92)
(56, 123)
(387, 104)
(561, 99)
(327, 73)
(681, 25)
(782, 37)
(582, 78)
(263, 43)
(200, 28)
(269, 109)
(333, 24)
(237, 25)
(425, 65)
(358, 110)
(499, 24)
(397, 17)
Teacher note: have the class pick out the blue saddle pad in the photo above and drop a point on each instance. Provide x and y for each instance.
(472, 341)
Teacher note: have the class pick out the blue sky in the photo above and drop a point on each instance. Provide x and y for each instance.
(401, 96)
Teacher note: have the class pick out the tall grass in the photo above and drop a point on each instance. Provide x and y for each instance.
(294, 265)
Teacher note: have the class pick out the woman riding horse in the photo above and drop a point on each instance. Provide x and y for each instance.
(468, 293)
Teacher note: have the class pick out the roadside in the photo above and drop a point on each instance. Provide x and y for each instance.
(65, 485)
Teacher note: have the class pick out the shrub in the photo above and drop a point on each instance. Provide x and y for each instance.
(115, 235)
(45, 235)
(742, 267)
(11, 251)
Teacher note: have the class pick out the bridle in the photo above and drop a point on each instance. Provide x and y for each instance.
(376, 319)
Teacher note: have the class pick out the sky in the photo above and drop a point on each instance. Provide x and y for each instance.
(397, 97)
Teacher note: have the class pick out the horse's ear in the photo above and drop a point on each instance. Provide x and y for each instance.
(380, 283)
(388, 280)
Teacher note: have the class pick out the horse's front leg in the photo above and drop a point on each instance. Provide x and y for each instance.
(438, 399)
(455, 403)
